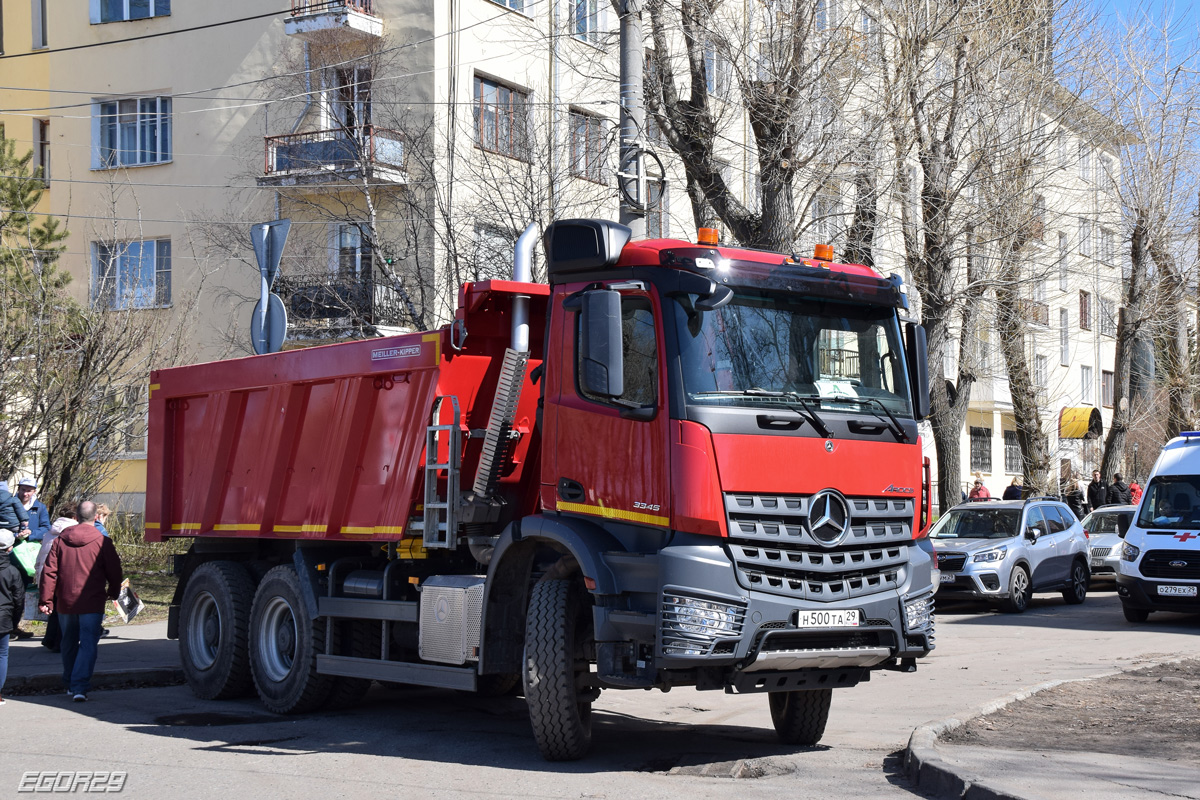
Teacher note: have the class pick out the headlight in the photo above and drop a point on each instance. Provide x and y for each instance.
(991, 555)
(918, 613)
(1129, 552)
(691, 626)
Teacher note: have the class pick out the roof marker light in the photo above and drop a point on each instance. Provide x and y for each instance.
(707, 236)
(823, 252)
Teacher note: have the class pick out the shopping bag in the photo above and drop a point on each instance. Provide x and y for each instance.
(31, 607)
(24, 555)
(128, 604)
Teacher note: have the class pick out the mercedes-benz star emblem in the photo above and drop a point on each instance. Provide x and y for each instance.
(828, 518)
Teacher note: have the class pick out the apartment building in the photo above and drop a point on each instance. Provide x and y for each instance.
(409, 143)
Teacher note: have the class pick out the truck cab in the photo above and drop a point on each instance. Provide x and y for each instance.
(686, 465)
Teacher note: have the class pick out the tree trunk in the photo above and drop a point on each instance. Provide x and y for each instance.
(1129, 325)
(860, 238)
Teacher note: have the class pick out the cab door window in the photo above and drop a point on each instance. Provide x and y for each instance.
(1034, 519)
(639, 344)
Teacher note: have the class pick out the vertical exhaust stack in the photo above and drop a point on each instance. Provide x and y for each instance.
(523, 273)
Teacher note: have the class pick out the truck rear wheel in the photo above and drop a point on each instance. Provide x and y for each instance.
(213, 630)
(556, 664)
(284, 643)
(800, 717)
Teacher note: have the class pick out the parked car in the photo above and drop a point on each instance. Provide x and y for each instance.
(1005, 551)
(1105, 528)
(1159, 568)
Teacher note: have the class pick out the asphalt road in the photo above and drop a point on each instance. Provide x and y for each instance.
(414, 743)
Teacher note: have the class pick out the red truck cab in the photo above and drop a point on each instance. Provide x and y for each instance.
(675, 465)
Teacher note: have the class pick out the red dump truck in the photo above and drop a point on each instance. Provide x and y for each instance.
(676, 464)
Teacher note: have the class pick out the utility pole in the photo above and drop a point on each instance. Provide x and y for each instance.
(633, 116)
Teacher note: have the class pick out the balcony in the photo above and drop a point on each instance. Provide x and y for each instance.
(327, 309)
(1035, 312)
(320, 19)
(335, 157)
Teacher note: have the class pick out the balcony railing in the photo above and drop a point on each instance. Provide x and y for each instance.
(336, 151)
(314, 303)
(301, 7)
(1035, 312)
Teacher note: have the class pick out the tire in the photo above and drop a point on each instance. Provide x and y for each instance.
(1135, 614)
(1020, 590)
(557, 628)
(214, 624)
(359, 638)
(1076, 593)
(284, 644)
(800, 717)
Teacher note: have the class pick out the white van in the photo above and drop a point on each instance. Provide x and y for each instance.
(1159, 569)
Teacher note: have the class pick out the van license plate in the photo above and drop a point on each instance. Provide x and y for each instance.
(1177, 591)
(827, 619)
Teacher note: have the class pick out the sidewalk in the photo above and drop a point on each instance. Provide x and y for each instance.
(129, 654)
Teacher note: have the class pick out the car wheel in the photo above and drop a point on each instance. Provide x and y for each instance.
(1076, 592)
(1020, 590)
(1135, 614)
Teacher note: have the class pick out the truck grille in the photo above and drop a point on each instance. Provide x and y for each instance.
(951, 562)
(1171, 564)
(774, 551)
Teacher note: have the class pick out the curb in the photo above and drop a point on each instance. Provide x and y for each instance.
(17, 685)
(924, 766)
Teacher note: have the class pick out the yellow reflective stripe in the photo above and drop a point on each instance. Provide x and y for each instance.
(153, 526)
(369, 531)
(185, 526)
(153, 387)
(300, 528)
(615, 513)
(235, 527)
(436, 338)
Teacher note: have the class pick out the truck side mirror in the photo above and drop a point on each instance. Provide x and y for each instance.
(918, 369)
(602, 360)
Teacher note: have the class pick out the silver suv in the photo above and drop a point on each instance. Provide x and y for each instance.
(1009, 549)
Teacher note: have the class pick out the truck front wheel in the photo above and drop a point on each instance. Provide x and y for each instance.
(800, 717)
(213, 626)
(557, 630)
(284, 643)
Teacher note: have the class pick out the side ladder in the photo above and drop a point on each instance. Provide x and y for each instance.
(440, 527)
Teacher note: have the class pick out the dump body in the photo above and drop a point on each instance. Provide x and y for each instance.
(325, 443)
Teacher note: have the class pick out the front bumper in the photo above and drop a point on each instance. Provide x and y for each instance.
(756, 636)
(975, 583)
(1140, 593)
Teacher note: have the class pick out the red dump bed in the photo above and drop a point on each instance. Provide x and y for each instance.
(328, 442)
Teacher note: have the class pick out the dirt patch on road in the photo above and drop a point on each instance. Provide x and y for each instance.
(1153, 712)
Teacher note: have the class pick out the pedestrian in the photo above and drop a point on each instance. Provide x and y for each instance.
(1118, 492)
(1097, 491)
(1135, 491)
(1075, 498)
(979, 491)
(39, 515)
(102, 512)
(1014, 489)
(65, 519)
(12, 600)
(82, 572)
(13, 515)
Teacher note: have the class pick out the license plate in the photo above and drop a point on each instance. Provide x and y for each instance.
(947, 577)
(1177, 591)
(1097, 562)
(827, 619)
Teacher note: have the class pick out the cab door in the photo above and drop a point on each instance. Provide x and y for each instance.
(1042, 551)
(610, 454)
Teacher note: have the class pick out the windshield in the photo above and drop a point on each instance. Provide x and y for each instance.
(840, 355)
(1171, 501)
(1099, 522)
(977, 523)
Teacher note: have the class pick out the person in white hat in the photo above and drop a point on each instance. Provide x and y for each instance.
(39, 515)
(12, 600)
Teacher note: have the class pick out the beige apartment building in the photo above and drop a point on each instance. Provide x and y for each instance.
(409, 143)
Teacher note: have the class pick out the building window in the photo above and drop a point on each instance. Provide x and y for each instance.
(1064, 337)
(515, 5)
(587, 147)
(353, 253)
(40, 18)
(125, 412)
(1086, 380)
(1107, 247)
(1064, 251)
(1108, 318)
(718, 73)
(981, 449)
(1085, 161)
(1085, 311)
(1041, 366)
(587, 20)
(495, 248)
(132, 274)
(348, 99)
(1106, 388)
(1013, 464)
(123, 10)
(134, 131)
(825, 213)
(1085, 236)
(501, 118)
(1037, 228)
(43, 148)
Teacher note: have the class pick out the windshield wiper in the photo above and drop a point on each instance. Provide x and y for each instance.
(799, 404)
(892, 422)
